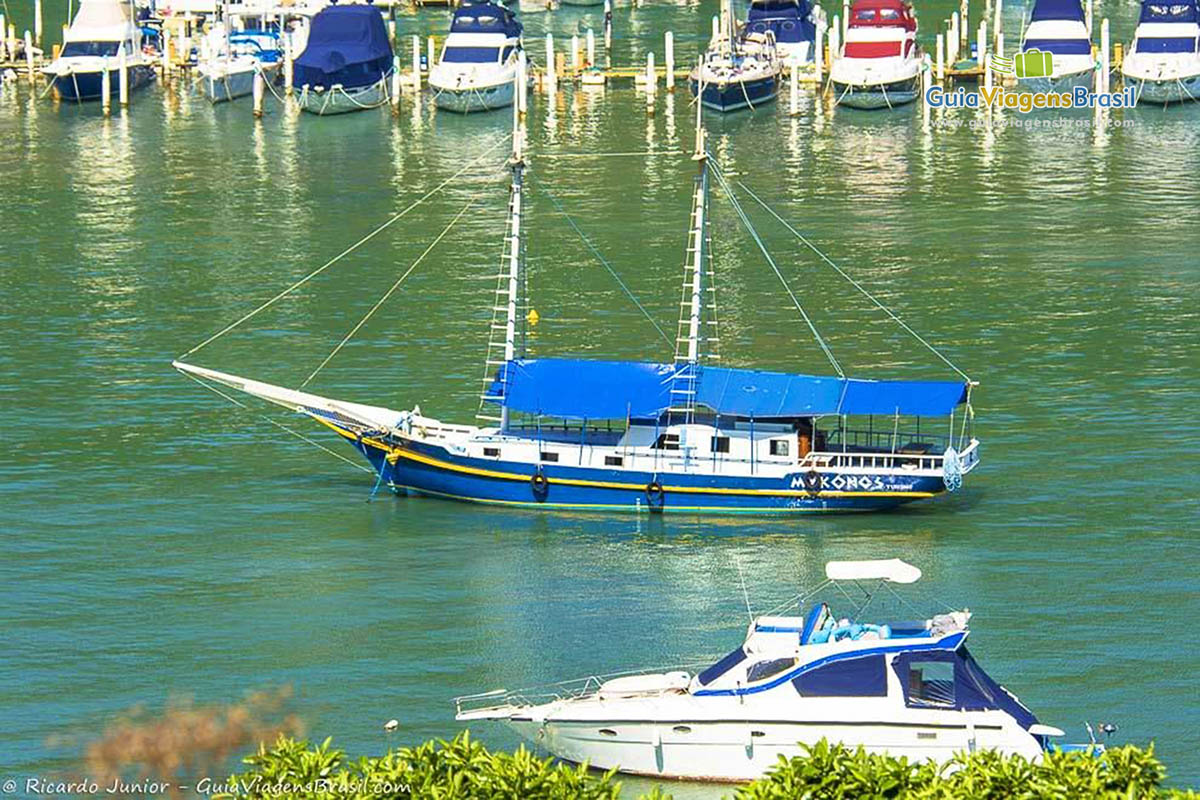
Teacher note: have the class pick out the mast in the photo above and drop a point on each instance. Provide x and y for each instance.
(501, 351)
(690, 336)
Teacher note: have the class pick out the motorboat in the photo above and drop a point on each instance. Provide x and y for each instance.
(478, 65)
(101, 38)
(347, 61)
(880, 62)
(1058, 33)
(1163, 63)
(901, 687)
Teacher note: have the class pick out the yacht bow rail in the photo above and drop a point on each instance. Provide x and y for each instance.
(572, 689)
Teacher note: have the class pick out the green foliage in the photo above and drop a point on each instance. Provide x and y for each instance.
(830, 772)
(463, 769)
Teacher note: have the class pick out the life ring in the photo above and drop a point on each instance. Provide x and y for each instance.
(813, 483)
(654, 493)
(540, 485)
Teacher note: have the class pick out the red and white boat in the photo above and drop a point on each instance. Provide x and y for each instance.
(880, 63)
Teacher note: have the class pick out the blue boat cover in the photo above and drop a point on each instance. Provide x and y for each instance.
(973, 688)
(855, 677)
(1061, 47)
(584, 389)
(347, 45)
(789, 20)
(1163, 44)
(1057, 9)
(1169, 11)
(485, 18)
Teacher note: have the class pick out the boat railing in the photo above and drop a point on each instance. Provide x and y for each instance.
(863, 459)
(573, 689)
(889, 440)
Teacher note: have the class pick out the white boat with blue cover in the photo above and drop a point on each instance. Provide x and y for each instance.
(737, 73)
(791, 23)
(101, 35)
(906, 688)
(346, 63)
(478, 65)
(1058, 27)
(674, 433)
(1163, 63)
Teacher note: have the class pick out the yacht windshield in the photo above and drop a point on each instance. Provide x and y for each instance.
(472, 55)
(100, 49)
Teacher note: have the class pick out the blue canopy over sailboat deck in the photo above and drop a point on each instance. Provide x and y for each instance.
(583, 389)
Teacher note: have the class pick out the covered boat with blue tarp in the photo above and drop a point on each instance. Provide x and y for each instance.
(346, 63)
(790, 22)
(897, 685)
(675, 433)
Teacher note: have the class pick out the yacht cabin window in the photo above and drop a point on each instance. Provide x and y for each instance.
(855, 677)
(667, 441)
(769, 669)
(779, 447)
(931, 683)
(720, 444)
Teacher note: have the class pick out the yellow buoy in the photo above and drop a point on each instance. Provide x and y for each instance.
(532, 317)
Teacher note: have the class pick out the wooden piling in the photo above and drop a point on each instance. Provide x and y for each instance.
(122, 77)
(260, 90)
(37, 22)
(105, 88)
(29, 65)
(591, 47)
(1105, 49)
(941, 57)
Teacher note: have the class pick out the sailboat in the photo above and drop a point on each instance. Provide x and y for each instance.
(1058, 27)
(101, 36)
(1163, 63)
(233, 58)
(904, 688)
(681, 434)
(478, 65)
(346, 62)
(740, 68)
(880, 63)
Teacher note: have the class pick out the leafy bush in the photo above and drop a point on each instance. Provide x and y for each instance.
(835, 771)
(463, 769)
(459, 769)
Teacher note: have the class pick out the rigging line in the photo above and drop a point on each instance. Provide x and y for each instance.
(280, 425)
(389, 292)
(737, 207)
(349, 249)
(855, 283)
(603, 261)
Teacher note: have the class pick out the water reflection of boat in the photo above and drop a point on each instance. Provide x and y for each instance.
(906, 688)
(1163, 63)
(880, 63)
(101, 36)
(346, 63)
(676, 435)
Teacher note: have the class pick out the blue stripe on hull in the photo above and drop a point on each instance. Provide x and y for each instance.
(458, 478)
(83, 86)
(738, 95)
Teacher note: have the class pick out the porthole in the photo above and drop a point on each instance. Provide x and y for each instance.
(682, 729)
(607, 732)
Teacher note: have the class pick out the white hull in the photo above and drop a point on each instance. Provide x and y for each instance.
(739, 750)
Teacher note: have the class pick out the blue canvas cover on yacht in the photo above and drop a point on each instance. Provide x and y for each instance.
(584, 389)
(347, 45)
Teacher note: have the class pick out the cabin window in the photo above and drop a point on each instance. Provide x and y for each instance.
(613, 461)
(98, 49)
(667, 441)
(720, 444)
(865, 14)
(769, 669)
(491, 452)
(471, 55)
(855, 677)
(931, 683)
(548, 456)
(779, 447)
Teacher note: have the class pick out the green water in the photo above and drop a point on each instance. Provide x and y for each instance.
(158, 541)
